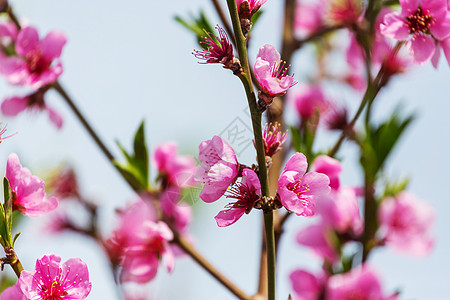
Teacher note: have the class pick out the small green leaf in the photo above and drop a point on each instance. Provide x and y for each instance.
(198, 25)
(256, 17)
(15, 238)
(392, 189)
(141, 152)
(296, 138)
(130, 175)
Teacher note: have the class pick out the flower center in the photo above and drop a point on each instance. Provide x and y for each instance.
(245, 197)
(420, 21)
(36, 62)
(277, 69)
(299, 189)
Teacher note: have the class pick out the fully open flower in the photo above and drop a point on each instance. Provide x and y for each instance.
(28, 192)
(174, 169)
(36, 62)
(422, 23)
(297, 189)
(405, 223)
(219, 168)
(271, 74)
(219, 50)
(51, 281)
(246, 193)
(34, 102)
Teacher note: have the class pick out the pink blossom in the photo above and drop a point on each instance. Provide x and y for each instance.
(307, 286)
(50, 280)
(406, 222)
(246, 192)
(422, 24)
(221, 52)
(273, 139)
(321, 239)
(360, 283)
(139, 243)
(340, 210)
(330, 167)
(177, 214)
(36, 62)
(175, 170)
(297, 189)
(219, 168)
(271, 76)
(28, 192)
(34, 102)
(309, 17)
(309, 101)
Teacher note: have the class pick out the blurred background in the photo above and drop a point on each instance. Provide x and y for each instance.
(129, 61)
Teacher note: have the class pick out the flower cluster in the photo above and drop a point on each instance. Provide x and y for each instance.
(32, 62)
(297, 189)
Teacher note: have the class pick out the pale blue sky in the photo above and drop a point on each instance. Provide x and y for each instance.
(125, 61)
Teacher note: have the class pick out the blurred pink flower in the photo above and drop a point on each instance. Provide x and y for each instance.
(330, 167)
(309, 17)
(34, 102)
(178, 215)
(28, 192)
(51, 281)
(246, 192)
(309, 100)
(219, 168)
(406, 222)
(139, 243)
(321, 239)
(307, 286)
(218, 53)
(269, 71)
(422, 24)
(359, 283)
(273, 139)
(175, 170)
(297, 189)
(340, 210)
(36, 62)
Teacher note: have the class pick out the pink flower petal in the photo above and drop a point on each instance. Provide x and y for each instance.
(409, 6)
(14, 69)
(229, 216)
(441, 30)
(445, 44)
(14, 105)
(27, 41)
(421, 48)
(436, 56)
(54, 117)
(394, 26)
(297, 162)
(13, 293)
(52, 44)
(268, 53)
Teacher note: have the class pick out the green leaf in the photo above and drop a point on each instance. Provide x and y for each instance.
(140, 151)
(6, 215)
(198, 25)
(380, 141)
(392, 189)
(296, 138)
(256, 17)
(15, 238)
